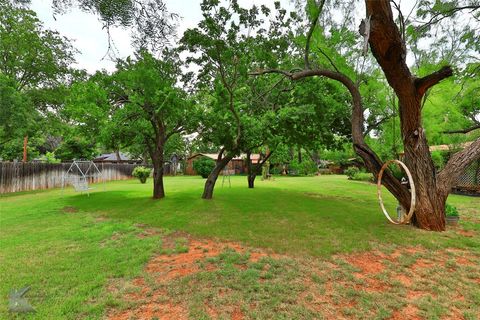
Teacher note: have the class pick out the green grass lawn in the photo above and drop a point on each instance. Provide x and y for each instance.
(68, 247)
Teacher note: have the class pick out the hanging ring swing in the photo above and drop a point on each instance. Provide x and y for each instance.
(406, 218)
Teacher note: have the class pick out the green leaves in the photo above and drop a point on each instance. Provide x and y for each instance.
(30, 54)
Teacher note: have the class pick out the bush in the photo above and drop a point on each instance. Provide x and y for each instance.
(364, 176)
(351, 172)
(276, 170)
(141, 173)
(306, 167)
(203, 166)
(451, 211)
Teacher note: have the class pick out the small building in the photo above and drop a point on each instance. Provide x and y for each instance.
(237, 165)
(113, 158)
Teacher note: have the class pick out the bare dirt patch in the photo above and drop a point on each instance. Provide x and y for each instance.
(408, 312)
(368, 262)
(403, 279)
(422, 264)
(467, 233)
(167, 267)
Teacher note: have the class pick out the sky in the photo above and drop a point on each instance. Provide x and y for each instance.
(91, 40)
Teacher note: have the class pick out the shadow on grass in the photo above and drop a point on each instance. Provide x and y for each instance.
(287, 221)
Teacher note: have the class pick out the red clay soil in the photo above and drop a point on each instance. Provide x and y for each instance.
(408, 312)
(163, 268)
(467, 233)
(368, 262)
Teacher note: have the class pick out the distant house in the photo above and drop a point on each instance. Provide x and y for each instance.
(113, 158)
(236, 166)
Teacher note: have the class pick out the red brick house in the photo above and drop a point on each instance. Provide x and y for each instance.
(236, 166)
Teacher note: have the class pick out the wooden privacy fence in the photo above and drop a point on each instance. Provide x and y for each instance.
(18, 176)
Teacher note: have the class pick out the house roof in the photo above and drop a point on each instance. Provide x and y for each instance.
(112, 157)
(446, 147)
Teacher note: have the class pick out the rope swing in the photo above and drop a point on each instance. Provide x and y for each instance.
(405, 219)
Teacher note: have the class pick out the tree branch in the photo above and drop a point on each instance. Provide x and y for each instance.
(467, 130)
(370, 158)
(439, 16)
(328, 58)
(261, 72)
(310, 33)
(376, 124)
(425, 83)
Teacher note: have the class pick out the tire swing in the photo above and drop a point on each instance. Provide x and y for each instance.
(406, 218)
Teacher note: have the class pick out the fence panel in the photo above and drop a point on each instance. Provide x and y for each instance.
(18, 176)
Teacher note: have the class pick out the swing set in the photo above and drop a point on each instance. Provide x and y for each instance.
(79, 178)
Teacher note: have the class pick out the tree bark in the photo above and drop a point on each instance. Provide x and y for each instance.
(251, 180)
(158, 188)
(117, 155)
(254, 170)
(213, 176)
(251, 174)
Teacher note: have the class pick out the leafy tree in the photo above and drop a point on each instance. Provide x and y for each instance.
(16, 113)
(36, 63)
(223, 51)
(29, 54)
(75, 148)
(152, 109)
(388, 44)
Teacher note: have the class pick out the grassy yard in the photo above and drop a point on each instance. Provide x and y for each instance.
(324, 248)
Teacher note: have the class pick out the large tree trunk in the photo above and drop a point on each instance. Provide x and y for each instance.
(158, 188)
(251, 180)
(254, 170)
(251, 171)
(157, 159)
(213, 176)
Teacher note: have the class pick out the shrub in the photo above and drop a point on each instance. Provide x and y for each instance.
(203, 166)
(351, 172)
(306, 167)
(451, 211)
(364, 176)
(141, 173)
(276, 170)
